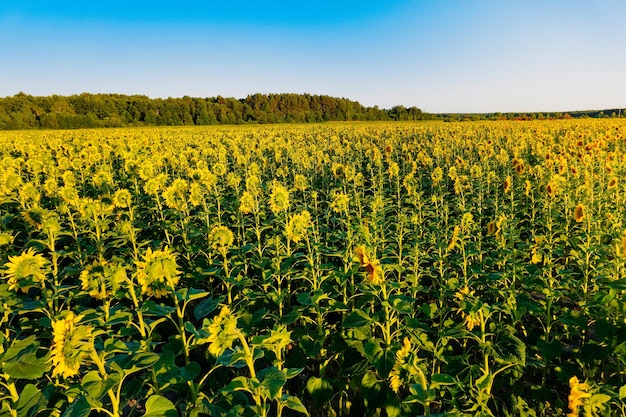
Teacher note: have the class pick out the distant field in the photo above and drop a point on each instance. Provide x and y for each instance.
(397, 269)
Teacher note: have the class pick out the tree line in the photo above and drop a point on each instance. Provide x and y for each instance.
(23, 111)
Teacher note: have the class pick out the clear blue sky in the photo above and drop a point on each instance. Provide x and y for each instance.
(438, 55)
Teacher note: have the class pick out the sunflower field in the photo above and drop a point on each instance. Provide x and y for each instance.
(362, 269)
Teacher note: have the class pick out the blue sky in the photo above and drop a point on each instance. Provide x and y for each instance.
(441, 56)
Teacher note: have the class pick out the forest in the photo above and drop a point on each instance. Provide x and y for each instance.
(23, 111)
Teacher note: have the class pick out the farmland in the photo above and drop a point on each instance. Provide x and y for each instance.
(395, 269)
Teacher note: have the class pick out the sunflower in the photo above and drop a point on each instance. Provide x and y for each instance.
(397, 372)
(492, 228)
(472, 319)
(247, 203)
(455, 238)
(196, 195)
(50, 187)
(5, 238)
(279, 198)
(507, 184)
(72, 343)
(579, 213)
(101, 279)
(437, 175)
(25, 271)
(35, 216)
(158, 273)
(222, 332)
(340, 203)
(221, 238)
(394, 170)
(578, 392)
(175, 195)
(300, 182)
(122, 198)
(297, 226)
(372, 266)
(612, 182)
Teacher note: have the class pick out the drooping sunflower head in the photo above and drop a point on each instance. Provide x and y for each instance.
(196, 194)
(279, 198)
(50, 187)
(35, 216)
(6, 238)
(25, 271)
(221, 238)
(579, 213)
(101, 280)
(175, 195)
(72, 343)
(222, 332)
(508, 182)
(247, 203)
(340, 203)
(372, 266)
(437, 175)
(122, 198)
(233, 180)
(300, 182)
(393, 170)
(69, 195)
(29, 194)
(578, 395)
(157, 273)
(297, 226)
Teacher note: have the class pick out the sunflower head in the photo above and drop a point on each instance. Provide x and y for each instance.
(340, 203)
(579, 213)
(221, 238)
(122, 198)
(6, 238)
(157, 273)
(101, 280)
(25, 271)
(72, 343)
(372, 266)
(279, 198)
(247, 204)
(222, 332)
(297, 226)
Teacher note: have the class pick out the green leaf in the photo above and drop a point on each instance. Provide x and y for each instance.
(159, 310)
(369, 380)
(442, 379)
(129, 364)
(20, 361)
(292, 372)
(28, 403)
(239, 383)
(92, 384)
(205, 307)
(319, 389)
(356, 318)
(78, 408)
(158, 406)
(622, 392)
(402, 306)
(272, 380)
(294, 404)
(195, 294)
(551, 350)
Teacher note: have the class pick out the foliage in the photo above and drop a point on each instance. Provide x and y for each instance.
(398, 269)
